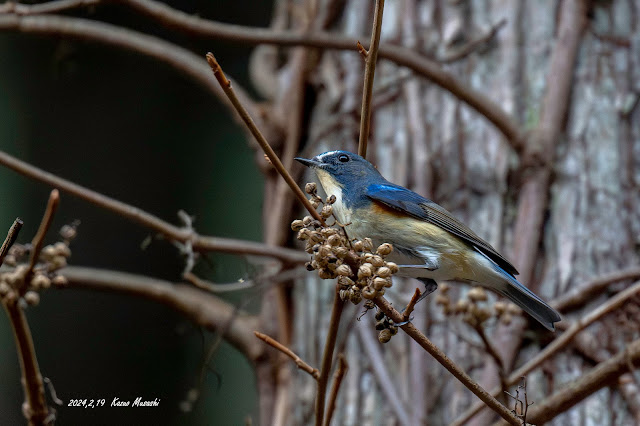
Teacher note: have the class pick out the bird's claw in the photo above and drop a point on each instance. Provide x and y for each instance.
(400, 324)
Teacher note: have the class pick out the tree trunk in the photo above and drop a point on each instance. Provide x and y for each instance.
(584, 175)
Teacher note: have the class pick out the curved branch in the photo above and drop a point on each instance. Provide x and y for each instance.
(604, 374)
(178, 57)
(402, 56)
(559, 343)
(446, 362)
(48, 7)
(199, 242)
(582, 294)
(200, 307)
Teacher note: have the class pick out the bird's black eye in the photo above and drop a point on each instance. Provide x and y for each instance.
(343, 158)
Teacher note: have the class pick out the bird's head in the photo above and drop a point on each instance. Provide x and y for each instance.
(343, 169)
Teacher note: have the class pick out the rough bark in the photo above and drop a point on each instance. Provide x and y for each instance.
(428, 140)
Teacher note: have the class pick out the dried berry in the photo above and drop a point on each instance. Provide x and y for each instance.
(343, 270)
(384, 249)
(368, 292)
(310, 188)
(384, 336)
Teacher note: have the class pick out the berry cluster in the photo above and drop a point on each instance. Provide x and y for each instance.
(361, 270)
(20, 282)
(385, 326)
(472, 311)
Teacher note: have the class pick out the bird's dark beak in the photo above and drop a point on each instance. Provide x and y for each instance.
(313, 163)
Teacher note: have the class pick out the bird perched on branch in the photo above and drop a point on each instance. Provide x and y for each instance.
(430, 244)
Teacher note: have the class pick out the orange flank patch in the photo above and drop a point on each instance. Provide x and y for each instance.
(380, 208)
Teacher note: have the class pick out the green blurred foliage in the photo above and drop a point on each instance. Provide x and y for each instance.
(136, 130)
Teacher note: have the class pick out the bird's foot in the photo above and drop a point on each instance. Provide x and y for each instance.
(429, 287)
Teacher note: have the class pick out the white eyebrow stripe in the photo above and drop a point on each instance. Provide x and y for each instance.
(326, 154)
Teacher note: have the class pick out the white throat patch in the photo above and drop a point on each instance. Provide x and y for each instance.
(332, 187)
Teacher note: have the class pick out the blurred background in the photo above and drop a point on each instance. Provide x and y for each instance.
(563, 73)
(139, 131)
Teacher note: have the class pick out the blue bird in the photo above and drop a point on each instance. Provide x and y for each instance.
(430, 244)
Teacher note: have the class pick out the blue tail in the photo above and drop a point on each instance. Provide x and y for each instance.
(527, 300)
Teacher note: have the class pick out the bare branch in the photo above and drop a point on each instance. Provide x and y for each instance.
(538, 154)
(369, 73)
(199, 242)
(446, 362)
(35, 408)
(473, 45)
(178, 57)
(327, 355)
(225, 84)
(38, 239)
(288, 352)
(371, 347)
(200, 307)
(48, 7)
(412, 304)
(403, 56)
(335, 388)
(12, 235)
(558, 344)
(604, 374)
(584, 293)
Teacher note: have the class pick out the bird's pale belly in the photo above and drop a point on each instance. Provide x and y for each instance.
(426, 249)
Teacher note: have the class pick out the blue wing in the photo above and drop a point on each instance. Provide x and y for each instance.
(414, 205)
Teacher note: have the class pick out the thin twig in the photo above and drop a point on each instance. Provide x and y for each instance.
(361, 50)
(204, 309)
(412, 304)
(215, 287)
(598, 313)
(12, 235)
(52, 392)
(35, 408)
(289, 112)
(48, 7)
(290, 105)
(258, 282)
(493, 353)
(584, 293)
(604, 374)
(327, 356)
(199, 242)
(341, 370)
(38, 239)
(288, 352)
(558, 344)
(225, 84)
(473, 45)
(369, 73)
(372, 348)
(447, 363)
